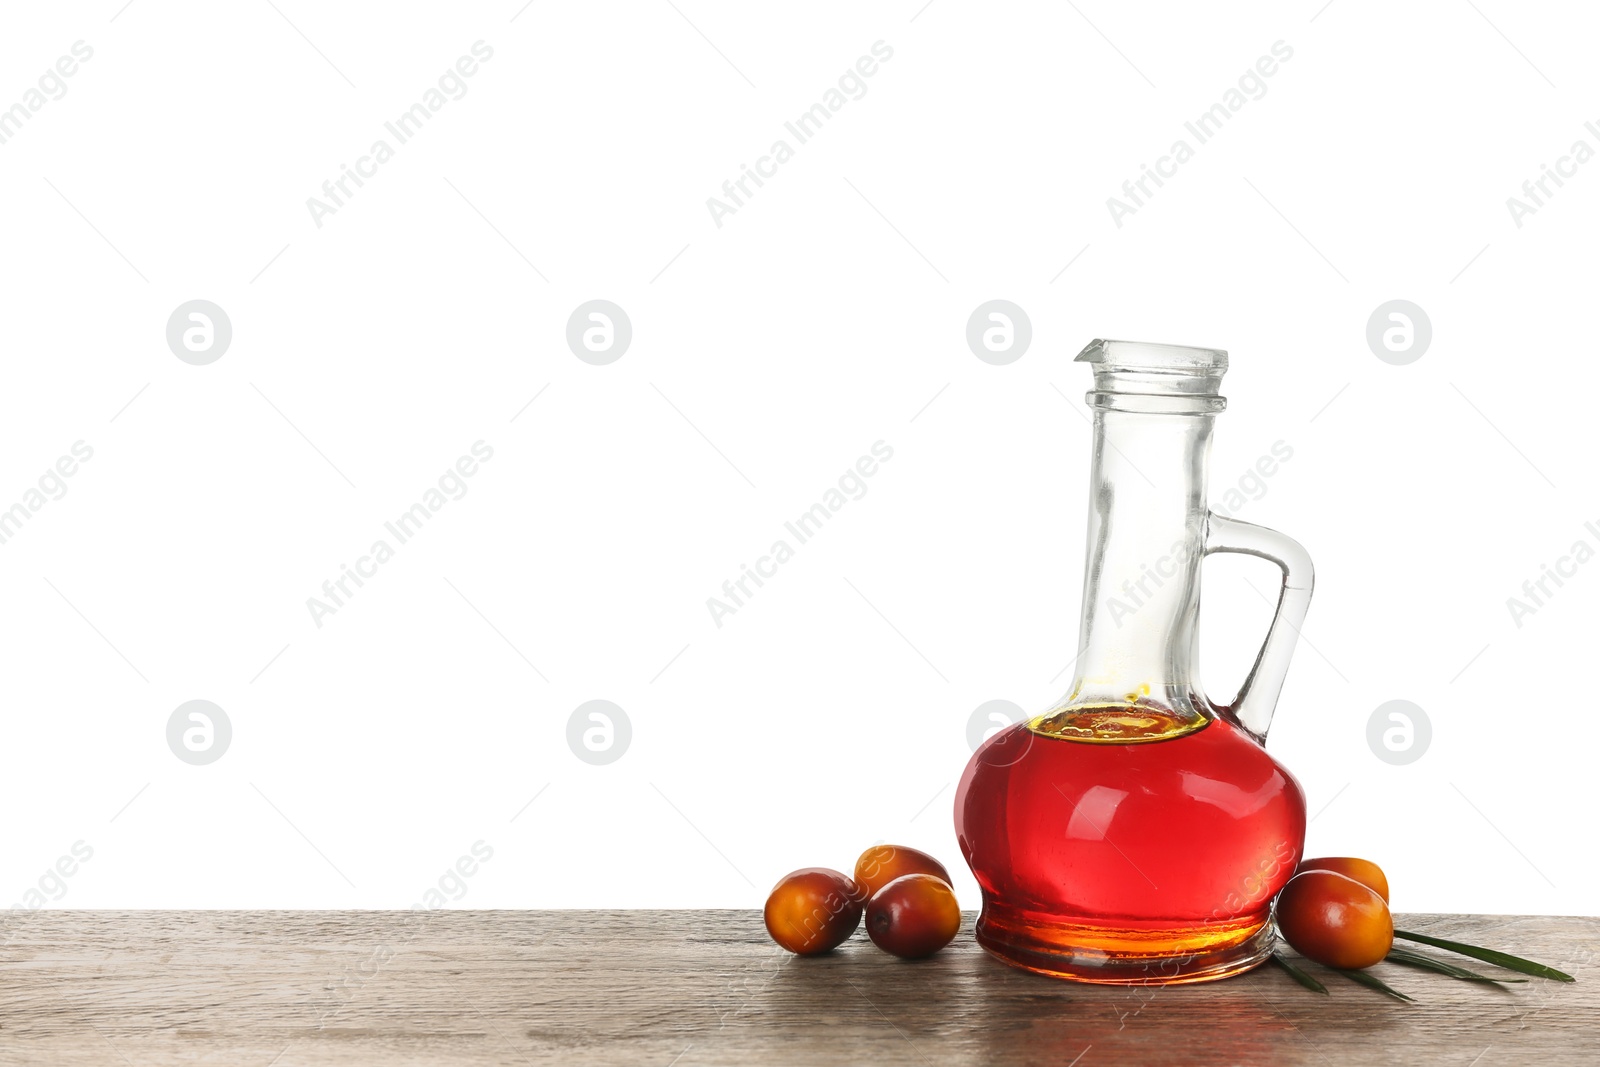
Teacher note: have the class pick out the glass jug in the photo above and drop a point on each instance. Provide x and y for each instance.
(1137, 832)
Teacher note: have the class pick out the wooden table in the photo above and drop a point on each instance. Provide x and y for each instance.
(707, 987)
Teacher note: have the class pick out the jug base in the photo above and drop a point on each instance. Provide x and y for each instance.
(1113, 953)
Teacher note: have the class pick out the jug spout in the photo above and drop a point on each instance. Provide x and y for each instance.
(1137, 369)
(1145, 353)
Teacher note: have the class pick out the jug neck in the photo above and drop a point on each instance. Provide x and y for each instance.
(1138, 637)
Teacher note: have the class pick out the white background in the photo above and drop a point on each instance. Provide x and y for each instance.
(768, 354)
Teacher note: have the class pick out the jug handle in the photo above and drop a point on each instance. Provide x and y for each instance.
(1252, 708)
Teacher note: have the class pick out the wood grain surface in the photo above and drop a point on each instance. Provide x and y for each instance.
(681, 988)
